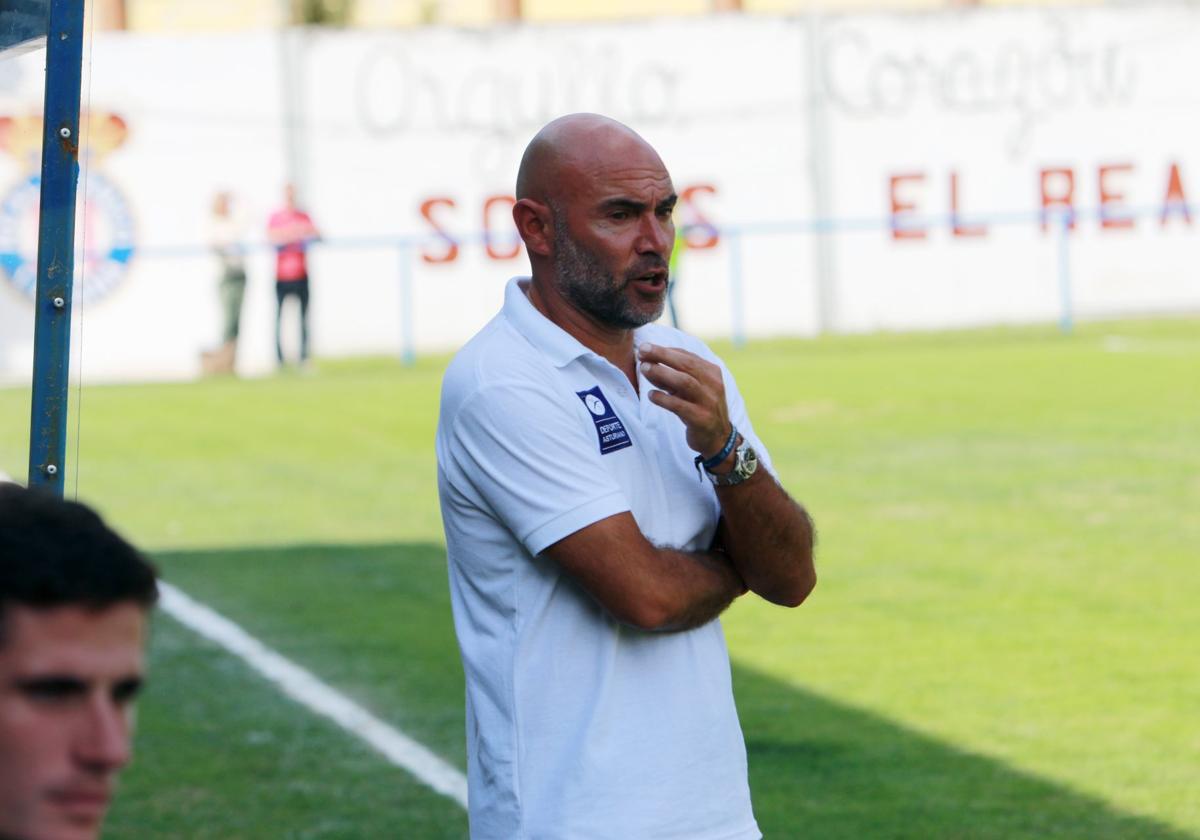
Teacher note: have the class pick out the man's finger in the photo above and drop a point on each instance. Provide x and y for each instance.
(705, 373)
(675, 357)
(684, 410)
(671, 380)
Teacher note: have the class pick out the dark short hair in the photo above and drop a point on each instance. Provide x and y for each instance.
(56, 553)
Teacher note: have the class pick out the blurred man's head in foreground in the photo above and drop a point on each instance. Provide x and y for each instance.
(74, 604)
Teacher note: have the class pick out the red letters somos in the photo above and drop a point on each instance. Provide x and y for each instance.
(698, 232)
(500, 240)
(450, 254)
(506, 204)
(1058, 200)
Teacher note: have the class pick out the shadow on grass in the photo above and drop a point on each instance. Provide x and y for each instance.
(824, 770)
(375, 622)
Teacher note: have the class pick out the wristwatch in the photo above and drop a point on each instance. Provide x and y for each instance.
(745, 462)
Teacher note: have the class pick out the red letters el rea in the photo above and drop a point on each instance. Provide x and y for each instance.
(1111, 197)
(902, 204)
(902, 229)
(1058, 192)
(1175, 200)
(956, 224)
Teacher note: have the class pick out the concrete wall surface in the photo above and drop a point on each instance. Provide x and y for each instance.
(843, 173)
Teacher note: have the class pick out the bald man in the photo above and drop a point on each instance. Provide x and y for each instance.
(604, 498)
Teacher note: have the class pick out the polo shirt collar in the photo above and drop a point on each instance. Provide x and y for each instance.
(555, 342)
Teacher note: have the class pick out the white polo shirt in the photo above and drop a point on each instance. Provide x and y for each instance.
(579, 727)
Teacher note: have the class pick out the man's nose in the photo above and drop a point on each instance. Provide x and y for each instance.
(656, 236)
(102, 740)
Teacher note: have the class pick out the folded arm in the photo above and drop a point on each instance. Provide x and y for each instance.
(769, 538)
(645, 586)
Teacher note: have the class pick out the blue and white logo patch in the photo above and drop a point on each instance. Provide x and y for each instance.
(609, 428)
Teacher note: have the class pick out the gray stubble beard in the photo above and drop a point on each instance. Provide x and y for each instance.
(584, 282)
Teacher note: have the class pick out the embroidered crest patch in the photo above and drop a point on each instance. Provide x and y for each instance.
(609, 428)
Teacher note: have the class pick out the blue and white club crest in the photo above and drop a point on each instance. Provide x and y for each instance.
(104, 227)
(609, 428)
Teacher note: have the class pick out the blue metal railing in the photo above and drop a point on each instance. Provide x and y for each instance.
(408, 249)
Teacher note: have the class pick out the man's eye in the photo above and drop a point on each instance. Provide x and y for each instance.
(126, 691)
(53, 691)
(619, 215)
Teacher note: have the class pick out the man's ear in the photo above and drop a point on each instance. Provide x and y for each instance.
(536, 225)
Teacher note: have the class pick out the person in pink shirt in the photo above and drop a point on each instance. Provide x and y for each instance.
(290, 230)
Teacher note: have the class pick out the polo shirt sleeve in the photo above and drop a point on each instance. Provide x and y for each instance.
(529, 459)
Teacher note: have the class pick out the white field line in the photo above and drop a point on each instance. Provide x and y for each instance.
(306, 689)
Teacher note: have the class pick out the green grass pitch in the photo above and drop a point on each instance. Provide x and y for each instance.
(1004, 643)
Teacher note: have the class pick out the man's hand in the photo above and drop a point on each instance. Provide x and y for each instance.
(764, 533)
(693, 390)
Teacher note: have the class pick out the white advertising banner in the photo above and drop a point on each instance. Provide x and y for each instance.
(988, 124)
(841, 173)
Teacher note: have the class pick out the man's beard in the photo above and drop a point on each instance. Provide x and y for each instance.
(585, 283)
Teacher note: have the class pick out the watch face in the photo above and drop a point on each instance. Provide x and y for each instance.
(745, 464)
(748, 461)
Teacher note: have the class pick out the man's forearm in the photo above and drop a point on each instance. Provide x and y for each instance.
(769, 539)
(643, 585)
(702, 584)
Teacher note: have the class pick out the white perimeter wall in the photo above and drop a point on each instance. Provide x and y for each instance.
(885, 125)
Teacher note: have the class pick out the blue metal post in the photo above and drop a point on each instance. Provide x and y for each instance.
(407, 353)
(56, 246)
(1065, 316)
(735, 288)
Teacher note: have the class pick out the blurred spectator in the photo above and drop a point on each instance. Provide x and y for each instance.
(227, 238)
(290, 230)
(74, 599)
